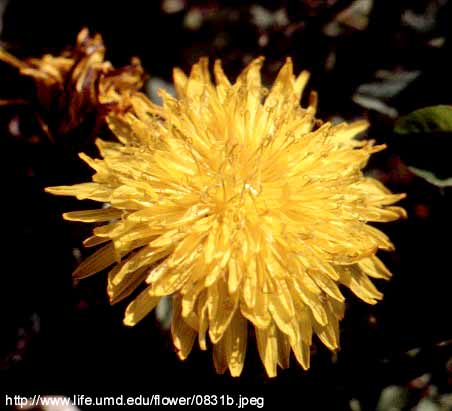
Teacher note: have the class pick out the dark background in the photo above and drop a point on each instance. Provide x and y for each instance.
(62, 338)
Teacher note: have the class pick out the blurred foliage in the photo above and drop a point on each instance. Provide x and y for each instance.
(424, 139)
(426, 120)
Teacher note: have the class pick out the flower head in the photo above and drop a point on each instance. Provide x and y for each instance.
(240, 204)
(78, 83)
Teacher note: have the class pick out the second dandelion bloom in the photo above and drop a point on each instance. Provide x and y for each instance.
(77, 85)
(236, 201)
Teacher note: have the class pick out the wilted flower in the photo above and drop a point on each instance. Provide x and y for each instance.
(241, 205)
(77, 84)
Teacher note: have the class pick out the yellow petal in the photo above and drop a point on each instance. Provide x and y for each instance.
(219, 357)
(199, 79)
(235, 340)
(203, 320)
(303, 354)
(312, 301)
(171, 281)
(234, 276)
(327, 285)
(249, 287)
(140, 307)
(282, 311)
(142, 258)
(259, 315)
(359, 283)
(180, 81)
(300, 83)
(345, 133)
(190, 294)
(283, 350)
(121, 290)
(92, 191)
(267, 345)
(223, 84)
(329, 333)
(374, 267)
(183, 335)
(94, 240)
(185, 248)
(221, 308)
(102, 258)
(91, 216)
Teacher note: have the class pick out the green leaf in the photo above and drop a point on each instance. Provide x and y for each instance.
(426, 120)
(423, 140)
(431, 178)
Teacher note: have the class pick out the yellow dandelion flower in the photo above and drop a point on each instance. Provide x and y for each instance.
(242, 206)
(78, 83)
